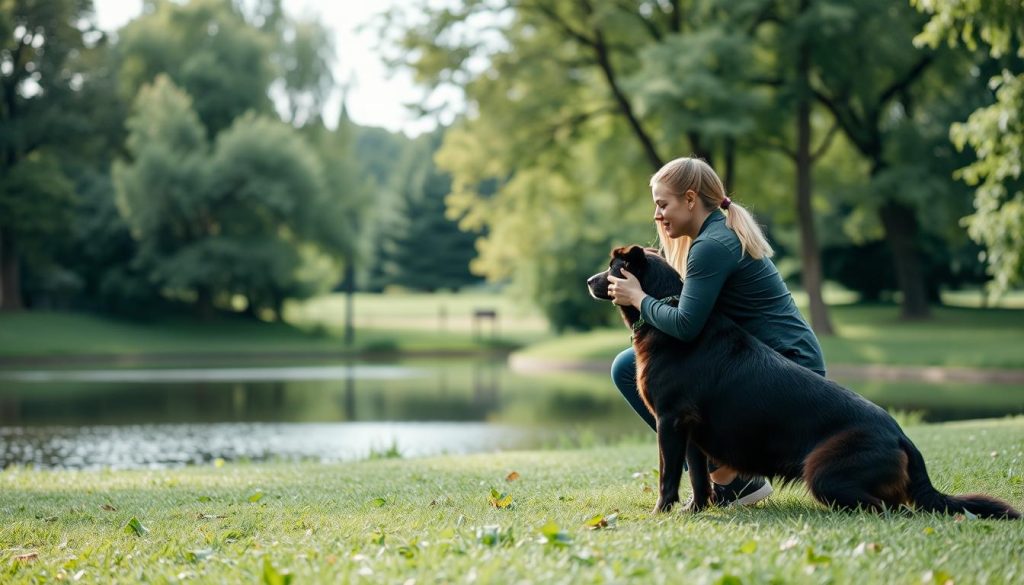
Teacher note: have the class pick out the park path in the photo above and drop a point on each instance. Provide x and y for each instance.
(889, 373)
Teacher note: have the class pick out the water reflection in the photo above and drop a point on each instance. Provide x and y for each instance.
(172, 445)
(145, 417)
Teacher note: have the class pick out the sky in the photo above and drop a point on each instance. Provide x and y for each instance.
(376, 97)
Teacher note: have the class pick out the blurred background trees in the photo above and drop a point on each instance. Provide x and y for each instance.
(187, 163)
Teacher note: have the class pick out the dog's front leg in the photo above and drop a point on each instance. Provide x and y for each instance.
(671, 451)
(700, 479)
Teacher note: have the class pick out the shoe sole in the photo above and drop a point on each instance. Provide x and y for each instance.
(754, 497)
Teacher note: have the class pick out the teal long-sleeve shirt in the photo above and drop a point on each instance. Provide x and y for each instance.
(719, 277)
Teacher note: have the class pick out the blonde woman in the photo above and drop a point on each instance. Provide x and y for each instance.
(725, 260)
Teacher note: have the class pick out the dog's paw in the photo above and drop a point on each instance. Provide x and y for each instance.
(663, 506)
(693, 507)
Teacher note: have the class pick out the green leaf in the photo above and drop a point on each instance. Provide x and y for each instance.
(378, 502)
(816, 559)
(748, 547)
(377, 537)
(499, 500)
(555, 536)
(256, 496)
(937, 577)
(135, 527)
(729, 580)
(204, 499)
(271, 576)
(601, 521)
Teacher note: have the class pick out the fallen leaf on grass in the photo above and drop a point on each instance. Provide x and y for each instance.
(866, 547)
(108, 508)
(378, 502)
(135, 527)
(748, 547)
(256, 496)
(937, 577)
(554, 536)
(271, 576)
(499, 500)
(816, 559)
(27, 557)
(601, 521)
(210, 516)
(512, 476)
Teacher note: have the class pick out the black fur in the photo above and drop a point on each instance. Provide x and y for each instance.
(727, 396)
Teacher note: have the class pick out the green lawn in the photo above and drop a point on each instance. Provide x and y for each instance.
(407, 323)
(867, 334)
(430, 520)
(421, 323)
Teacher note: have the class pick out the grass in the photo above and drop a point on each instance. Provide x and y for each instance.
(404, 323)
(437, 520)
(866, 334)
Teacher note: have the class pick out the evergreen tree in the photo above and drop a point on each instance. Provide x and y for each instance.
(429, 251)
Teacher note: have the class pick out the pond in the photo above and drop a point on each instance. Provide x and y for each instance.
(160, 417)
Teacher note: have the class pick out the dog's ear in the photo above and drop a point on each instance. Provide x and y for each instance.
(636, 259)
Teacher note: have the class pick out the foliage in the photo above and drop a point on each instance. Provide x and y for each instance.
(206, 48)
(425, 249)
(235, 218)
(43, 53)
(994, 132)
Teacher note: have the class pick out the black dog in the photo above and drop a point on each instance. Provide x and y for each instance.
(727, 396)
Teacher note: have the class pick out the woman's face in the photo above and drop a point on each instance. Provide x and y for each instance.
(675, 214)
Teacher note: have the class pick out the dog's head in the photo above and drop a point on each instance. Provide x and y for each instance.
(656, 276)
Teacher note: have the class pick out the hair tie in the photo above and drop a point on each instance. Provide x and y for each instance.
(726, 202)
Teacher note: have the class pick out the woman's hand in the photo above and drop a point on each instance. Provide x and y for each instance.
(625, 291)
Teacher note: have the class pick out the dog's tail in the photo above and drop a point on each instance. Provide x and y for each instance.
(929, 499)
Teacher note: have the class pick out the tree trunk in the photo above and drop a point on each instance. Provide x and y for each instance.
(204, 303)
(729, 172)
(10, 273)
(350, 292)
(810, 256)
(901, 235)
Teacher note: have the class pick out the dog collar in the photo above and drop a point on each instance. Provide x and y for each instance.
(641, 322)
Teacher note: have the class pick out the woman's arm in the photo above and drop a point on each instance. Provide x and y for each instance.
(708, 265)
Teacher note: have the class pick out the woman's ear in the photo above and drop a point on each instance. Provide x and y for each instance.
(691, 198)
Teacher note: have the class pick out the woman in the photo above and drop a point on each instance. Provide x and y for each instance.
(725, 260)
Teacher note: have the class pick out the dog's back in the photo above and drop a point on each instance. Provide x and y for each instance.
(753, 408)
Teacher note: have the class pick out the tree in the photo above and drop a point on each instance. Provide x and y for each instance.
(38, 83)
(571, 115)
(205, 47)
(238, 218)
(994, 132)
(428, 251)
(870, 105)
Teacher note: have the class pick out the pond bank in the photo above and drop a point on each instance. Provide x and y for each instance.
(934, 374)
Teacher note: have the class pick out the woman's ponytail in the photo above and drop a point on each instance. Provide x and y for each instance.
(752, 240)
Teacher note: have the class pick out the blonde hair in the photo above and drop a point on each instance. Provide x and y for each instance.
(684, 174)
